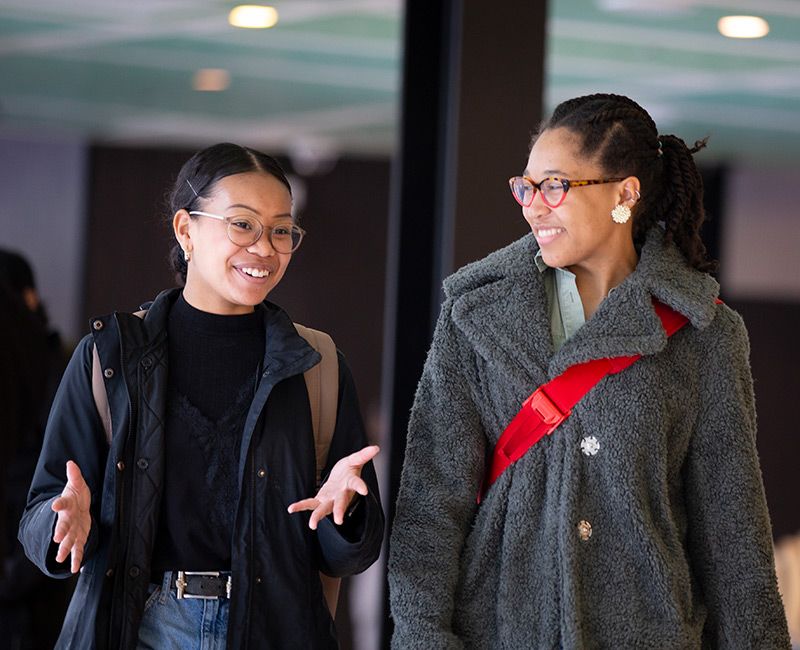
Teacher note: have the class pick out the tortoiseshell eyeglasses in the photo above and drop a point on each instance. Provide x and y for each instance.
(553, 190)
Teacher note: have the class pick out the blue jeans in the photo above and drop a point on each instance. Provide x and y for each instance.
(186, 624)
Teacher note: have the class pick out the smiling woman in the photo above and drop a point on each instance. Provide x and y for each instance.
(586, 383)
(184, 529)
(233, 265)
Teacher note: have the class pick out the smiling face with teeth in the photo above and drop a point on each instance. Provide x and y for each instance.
(224, 278)
(579, 234)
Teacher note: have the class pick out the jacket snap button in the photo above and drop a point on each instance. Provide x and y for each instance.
(108, 373)
(590, 446)
(142, 463)
(109, 573)
(584, 530)
(98, 325)
(121, 466)
(133, 572)
(258, 580)
(147, 362)
(262, 473)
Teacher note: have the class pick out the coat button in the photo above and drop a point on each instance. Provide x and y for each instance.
(147, 362)
(262, 473)
(590, 446)
(142, 463)
(97, 325)
(108, 373)
(134, 571)
(109, 573)
(258, 580)
(121, 466)
(584, 530)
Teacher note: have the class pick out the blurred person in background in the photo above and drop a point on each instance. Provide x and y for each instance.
(32, 361)
(185, 529)
(18, 274)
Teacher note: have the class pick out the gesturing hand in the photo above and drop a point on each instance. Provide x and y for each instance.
(74, 520)
(337, 492)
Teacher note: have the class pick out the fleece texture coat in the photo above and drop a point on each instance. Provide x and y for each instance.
(641, 522)
(276, 599)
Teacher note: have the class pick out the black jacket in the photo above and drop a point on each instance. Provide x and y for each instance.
(277, 600)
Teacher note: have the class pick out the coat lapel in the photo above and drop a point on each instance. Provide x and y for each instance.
(502, 311)
(626, 322)
(499, 304)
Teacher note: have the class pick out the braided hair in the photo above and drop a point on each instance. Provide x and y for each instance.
(199, 175)
(623, 138)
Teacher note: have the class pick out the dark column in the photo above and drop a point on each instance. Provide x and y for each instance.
(472, 85)
(496, 106)
(714, 191)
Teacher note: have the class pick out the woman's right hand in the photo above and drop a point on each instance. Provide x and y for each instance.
(74, 519)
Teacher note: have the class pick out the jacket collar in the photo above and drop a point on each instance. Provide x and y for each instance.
(286, 352)
(500, 305)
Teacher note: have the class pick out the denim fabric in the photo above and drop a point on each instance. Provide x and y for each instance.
(186, 624)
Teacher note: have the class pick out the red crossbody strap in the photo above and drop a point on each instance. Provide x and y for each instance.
(552, 403)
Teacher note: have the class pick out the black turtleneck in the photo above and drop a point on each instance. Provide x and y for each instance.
(213, 368)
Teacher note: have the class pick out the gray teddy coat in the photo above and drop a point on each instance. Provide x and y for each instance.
(657, 463)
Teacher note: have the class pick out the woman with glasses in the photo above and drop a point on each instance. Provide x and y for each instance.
(629, 513)
(182, 522)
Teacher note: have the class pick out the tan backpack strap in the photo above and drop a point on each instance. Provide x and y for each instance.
(322, 383)
(99, 387)
(330, 588)
(100, 394)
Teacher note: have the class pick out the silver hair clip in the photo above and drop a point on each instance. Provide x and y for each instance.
(660, 149)
(193, 190)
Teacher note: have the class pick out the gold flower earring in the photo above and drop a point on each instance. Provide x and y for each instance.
(621, 213)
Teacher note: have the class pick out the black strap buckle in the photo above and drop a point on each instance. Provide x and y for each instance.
(205, 585)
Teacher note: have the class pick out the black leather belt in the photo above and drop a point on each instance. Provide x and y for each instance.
(210, 585)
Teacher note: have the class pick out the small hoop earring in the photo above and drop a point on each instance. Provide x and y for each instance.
(621, 213)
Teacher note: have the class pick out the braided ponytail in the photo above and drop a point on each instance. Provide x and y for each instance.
(623, 138)
(680, 205)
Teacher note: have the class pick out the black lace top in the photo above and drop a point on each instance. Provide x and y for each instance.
(213, 368)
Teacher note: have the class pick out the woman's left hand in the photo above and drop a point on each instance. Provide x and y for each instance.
(338, 491)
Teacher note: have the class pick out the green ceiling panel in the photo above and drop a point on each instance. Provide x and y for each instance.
(349, 24)
(120, 70)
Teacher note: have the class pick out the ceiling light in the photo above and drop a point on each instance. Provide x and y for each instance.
(253, 16)
(743, 27)
(211, 79)
(647, 7)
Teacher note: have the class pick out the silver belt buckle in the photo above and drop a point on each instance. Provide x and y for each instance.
(181, 584)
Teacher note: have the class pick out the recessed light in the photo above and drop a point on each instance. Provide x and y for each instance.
(743, 26)
(211, 79)
(253, 16)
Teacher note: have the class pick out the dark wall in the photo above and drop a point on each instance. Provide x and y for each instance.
(775, 356)
(335, 281)
(127, 236)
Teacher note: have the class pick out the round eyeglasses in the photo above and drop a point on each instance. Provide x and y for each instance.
(553, 190)
(244, 230)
